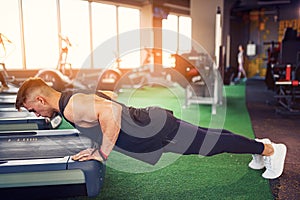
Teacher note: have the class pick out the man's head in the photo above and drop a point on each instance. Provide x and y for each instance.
(35, 95)
(241, 48)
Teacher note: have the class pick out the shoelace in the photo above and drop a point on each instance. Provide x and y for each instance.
(256, 158)
(267, 162)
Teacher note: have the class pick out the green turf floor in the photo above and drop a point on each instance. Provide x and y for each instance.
(224, 176)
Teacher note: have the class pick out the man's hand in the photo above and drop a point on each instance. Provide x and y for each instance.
(88, 154)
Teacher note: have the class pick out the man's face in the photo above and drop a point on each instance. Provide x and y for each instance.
(39, 107)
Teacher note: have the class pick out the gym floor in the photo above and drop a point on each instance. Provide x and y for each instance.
(201, 178)
(285, 128)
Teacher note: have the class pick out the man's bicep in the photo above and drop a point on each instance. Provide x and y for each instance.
(110, 115)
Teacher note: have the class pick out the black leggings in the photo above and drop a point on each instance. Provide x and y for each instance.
(190, 139)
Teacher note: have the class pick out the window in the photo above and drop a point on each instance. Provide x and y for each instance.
(104, 26)
(40, 33)
(170, 30)
(87, 32)
(129, 40)
(75, 25)
(11, 54)
(185, 34)
(176, 37)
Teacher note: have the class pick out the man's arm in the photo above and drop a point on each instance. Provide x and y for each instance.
(109, 118)
(108, 115)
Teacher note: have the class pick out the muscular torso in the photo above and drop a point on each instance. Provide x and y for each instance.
(141, 131)
(85, 110)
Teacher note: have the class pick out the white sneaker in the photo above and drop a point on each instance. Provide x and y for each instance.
(275, 163)
(257, 161)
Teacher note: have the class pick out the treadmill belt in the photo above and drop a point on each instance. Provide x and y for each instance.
(39, 147)
(12, 90)
(19, 126)
(15, 114)
(18, 123)
(8, 99)
(7, 105)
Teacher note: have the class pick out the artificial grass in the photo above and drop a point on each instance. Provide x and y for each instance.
(224, 176)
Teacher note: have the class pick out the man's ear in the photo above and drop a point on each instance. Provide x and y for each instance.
(41, 99)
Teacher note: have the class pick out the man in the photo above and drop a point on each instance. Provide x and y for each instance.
(241, 61)
(142, 133)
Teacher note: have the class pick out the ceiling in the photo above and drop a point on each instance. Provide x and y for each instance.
(175, 6)
(183, 6)
(247, 5)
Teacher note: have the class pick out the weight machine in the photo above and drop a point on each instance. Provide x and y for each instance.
(286, 75)
(201, 82)
(287, 90)
(203, 74)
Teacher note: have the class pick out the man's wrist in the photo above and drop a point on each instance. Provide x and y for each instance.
(103, 155)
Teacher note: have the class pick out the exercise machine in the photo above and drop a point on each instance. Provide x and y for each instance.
(62, 78)
(199, 77)
(286, 74)
(12, 119)
(15, 121)
(202, 76)
(38, 165)
(287, 91)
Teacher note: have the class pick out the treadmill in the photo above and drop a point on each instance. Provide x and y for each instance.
(12, 89)
(38, 165)
(8, 97)
(35, 158)
(7, 100)
(11, 119)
